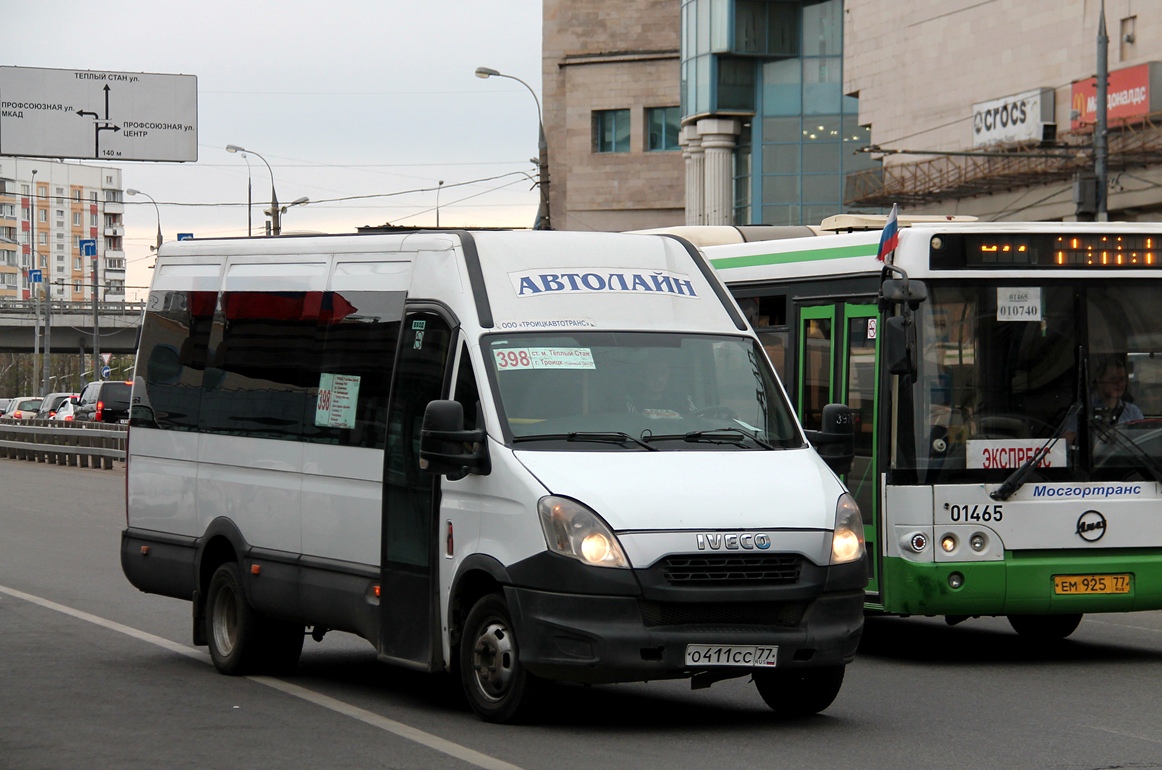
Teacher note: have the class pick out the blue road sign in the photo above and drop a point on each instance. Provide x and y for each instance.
(35, 276)
(88, 247)
(185, 236)
(105, 372)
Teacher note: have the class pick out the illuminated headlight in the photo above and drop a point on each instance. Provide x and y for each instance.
(572, 530)
(948, 543)
(847, 539)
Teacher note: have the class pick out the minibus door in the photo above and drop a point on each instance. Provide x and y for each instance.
(408, 603)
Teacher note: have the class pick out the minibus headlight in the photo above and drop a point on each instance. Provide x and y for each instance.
(847, 539)
(573, 530)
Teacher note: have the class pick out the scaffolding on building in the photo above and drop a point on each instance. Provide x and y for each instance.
(954, 175)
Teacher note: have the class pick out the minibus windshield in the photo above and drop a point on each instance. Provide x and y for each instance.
(614, 391)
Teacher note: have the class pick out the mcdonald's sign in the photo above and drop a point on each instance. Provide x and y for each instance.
(1130, 96)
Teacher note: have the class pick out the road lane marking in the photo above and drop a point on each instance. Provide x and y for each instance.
(400, 729)
(1123, 733)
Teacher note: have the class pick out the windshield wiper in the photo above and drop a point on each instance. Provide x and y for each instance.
(1016, 479)
(729, 435)
(1107, 432)
(608, 437)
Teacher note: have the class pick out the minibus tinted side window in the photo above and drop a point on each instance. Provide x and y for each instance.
(264, 357)
(303, 366)
(173, 353)
(354, 349)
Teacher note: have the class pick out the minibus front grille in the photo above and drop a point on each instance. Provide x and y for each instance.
(724, 615)
(732, 570)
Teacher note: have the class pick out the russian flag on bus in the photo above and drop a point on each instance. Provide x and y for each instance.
(890, 238)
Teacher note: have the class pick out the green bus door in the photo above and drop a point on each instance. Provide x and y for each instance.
(838, 347)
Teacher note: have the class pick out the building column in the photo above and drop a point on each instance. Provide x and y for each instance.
(718, 142)
(692, 153)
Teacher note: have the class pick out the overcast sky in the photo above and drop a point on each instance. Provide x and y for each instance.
(343, 98)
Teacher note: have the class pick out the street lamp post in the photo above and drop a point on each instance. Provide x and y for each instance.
(275, 220)
(543, 221)
(439, 185)
(155, 208)
(295, 202)
(35, 266)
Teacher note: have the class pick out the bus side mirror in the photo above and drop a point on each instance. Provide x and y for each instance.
(836, 442)
(897, 292)
(900, 344)
(446, 448)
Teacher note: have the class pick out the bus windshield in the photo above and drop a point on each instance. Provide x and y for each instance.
(1005, 368)
(637, 390)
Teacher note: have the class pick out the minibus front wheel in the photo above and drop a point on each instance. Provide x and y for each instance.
(799, 692)
(497, 685)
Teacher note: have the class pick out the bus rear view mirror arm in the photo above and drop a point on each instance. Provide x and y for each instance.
(836, 442)
(446, 448)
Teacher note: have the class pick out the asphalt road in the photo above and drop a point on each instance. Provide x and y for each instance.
(95, 674)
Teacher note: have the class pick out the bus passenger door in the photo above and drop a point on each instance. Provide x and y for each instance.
(858, 389)
(813, 389)
(837, 364)
(409, 624)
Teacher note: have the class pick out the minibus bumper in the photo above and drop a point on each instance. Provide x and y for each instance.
(605, 639)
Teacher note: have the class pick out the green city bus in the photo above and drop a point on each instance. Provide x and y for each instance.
(1001, 468)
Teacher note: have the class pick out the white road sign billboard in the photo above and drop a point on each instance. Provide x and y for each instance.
(98, 114)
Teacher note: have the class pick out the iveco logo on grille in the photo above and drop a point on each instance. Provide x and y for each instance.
(747, 541)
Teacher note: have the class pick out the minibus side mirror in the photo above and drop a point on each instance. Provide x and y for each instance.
(446, 448)
(836, 442)
(900, 344)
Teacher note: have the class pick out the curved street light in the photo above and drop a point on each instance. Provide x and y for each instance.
(131, 191)
(543, 222)
(275, 220)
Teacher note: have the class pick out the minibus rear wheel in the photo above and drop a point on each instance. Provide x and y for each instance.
(799, 692)
(241, 640)
(231, 624)
(497, 685)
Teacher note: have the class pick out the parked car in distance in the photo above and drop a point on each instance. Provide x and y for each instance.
(66, 411)
(52, 403)
(104, 401)
(23, 408)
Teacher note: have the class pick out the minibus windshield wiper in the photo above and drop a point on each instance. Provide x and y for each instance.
(725, 435)
(609, 437)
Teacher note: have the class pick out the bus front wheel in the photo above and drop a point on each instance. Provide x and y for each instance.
(799, 692)
(497, 685)
(1045, 628)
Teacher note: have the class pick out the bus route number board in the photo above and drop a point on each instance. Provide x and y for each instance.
(761, 656)
(1119, 583)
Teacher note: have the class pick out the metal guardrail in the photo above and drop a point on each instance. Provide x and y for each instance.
(69, 307)
(75, 443)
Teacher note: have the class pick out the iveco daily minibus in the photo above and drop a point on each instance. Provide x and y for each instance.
(515, 457)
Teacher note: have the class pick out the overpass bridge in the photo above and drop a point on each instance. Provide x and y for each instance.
(118, 324)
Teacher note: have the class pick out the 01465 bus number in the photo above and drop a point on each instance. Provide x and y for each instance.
(975, 512)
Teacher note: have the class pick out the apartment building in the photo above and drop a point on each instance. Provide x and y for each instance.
(47, 208)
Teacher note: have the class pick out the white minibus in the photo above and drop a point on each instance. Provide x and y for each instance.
(515, 457)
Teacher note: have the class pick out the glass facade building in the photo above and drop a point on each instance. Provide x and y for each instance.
(776, 66)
